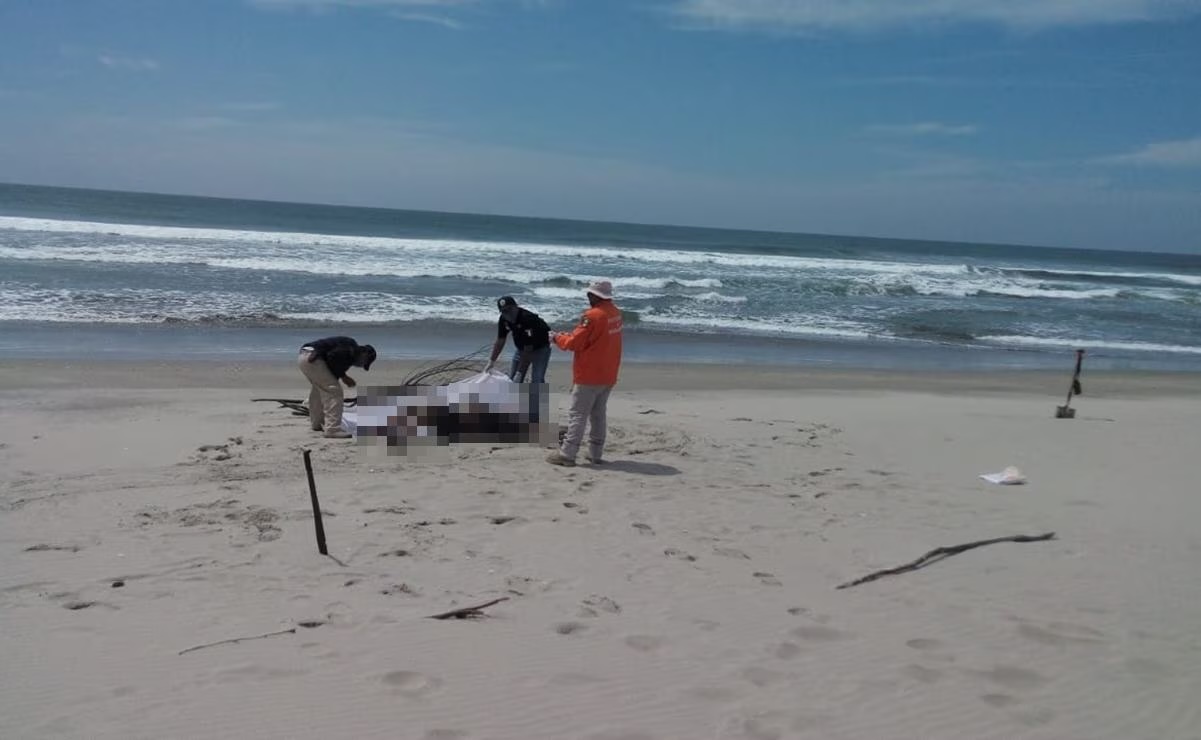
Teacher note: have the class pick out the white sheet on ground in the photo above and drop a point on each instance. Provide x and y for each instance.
(1010, 476)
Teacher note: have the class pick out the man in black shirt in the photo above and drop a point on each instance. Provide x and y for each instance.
(531, 341)
(325, 362)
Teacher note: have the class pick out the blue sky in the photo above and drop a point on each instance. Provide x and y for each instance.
(1057, 122)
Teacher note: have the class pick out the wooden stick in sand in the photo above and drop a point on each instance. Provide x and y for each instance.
(468, 611)
(940, 553)
(238, 639)
(308, 469)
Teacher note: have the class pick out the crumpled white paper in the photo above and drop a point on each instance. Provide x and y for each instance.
(1010, 476)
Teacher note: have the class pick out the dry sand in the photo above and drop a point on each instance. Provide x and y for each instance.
(684, 591)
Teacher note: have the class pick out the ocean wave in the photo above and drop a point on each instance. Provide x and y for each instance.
(714, 297)
(1087, 344)
(670, 282)
(1095, 275)
(779, 326)
(477, 260)
(577, 294)
(996, 286)
(398, 249)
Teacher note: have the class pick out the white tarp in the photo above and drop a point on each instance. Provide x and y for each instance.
(1010, 476)
(492, 389)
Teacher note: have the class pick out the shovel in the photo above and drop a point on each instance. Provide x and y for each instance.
(1066, 411)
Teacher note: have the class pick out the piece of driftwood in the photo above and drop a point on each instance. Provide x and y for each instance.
(239, 639)
(939, 553)
(468, 612)
(297, 406)
(317, 523)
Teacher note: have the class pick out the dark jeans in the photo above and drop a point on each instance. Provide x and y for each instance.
(536, 369)
(539, 359)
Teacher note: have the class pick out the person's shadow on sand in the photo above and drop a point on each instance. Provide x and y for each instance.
(639, 468)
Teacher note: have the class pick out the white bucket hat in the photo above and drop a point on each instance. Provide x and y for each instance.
(602, 289)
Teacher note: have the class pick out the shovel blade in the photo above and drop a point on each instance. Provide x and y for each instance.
(1065, 412)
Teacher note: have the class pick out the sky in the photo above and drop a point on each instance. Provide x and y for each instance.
(1050, 122)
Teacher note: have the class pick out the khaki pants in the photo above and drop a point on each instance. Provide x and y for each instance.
(325, 395)
(588, 406)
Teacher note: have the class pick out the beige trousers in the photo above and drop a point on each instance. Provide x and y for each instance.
(589, 404)
(325, 395)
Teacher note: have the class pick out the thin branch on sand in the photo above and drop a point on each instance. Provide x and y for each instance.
(238, 639)
(468, 612)
(940, 553)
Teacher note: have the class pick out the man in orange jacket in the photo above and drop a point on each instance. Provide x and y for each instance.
(596, 342)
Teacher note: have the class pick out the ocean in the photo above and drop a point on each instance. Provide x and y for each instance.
(89, 273)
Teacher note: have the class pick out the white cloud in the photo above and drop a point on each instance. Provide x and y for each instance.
(129, 63)
(437, 20)
(867, 15)
(929, 128)
(1183, 153)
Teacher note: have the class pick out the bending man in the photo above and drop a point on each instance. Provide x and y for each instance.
(531, 341)
(325, 362)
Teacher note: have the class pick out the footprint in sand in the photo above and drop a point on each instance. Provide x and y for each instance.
(922, 673)
(403, 589)
(522, 585)
(1061, 633)
(643, 529)
(411, 683)
(1000, 701)
(923, 643)
(762, 726)
(1013, 677)
(594, 605)
(570, 628)
(672, 552)
(762, 676)
(931, 649)
(767, 579)
(1035, 717)
(730, 552)
(787, 650)
(644, 643)
(818, 633)
(575, 507)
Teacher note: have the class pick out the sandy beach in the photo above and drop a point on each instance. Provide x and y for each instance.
(685, 590)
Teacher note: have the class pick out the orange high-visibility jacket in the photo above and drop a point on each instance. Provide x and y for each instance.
(596, 341)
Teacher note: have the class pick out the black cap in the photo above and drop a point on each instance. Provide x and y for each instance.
(506, 302)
